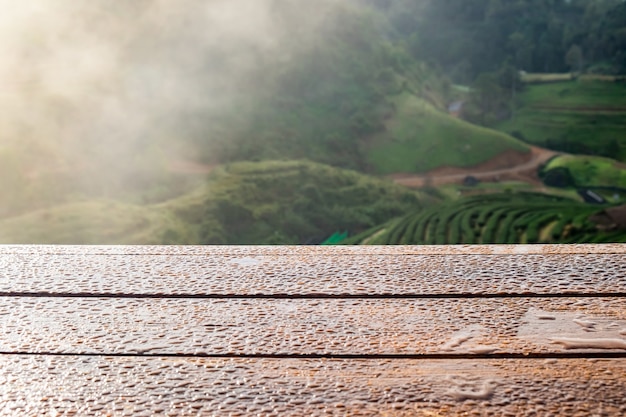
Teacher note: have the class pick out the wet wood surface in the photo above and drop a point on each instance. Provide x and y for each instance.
(457, 330)
(309, 326)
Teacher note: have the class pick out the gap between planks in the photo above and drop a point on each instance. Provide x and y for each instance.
(312, 296)
(331, 356)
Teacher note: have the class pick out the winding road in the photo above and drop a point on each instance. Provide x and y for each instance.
(525, 171)
(520, 167)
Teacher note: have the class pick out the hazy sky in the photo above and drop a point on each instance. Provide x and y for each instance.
(106, 77)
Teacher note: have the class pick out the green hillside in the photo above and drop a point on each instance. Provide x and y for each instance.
(290, 202)
(418, 138)
(271, 202)
(496, 218)
(92, 222)
(582, 117)
(353, 97)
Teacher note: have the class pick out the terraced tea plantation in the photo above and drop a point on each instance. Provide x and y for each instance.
(581, 117)
(497, 218)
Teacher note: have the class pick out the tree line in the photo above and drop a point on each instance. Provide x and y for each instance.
(468, 38)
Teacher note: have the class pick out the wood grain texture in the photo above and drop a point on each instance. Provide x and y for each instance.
(39, 385)
(304, 326)
(243, 271)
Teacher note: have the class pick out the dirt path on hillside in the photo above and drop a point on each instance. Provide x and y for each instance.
(508, 166)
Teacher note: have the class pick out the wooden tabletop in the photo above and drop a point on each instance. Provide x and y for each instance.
(401, 330)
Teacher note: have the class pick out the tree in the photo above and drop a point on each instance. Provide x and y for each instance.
(574, 58)
(521, 50)
(487, 99)
(537, 36)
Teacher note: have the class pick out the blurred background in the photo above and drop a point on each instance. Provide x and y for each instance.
(325, 122)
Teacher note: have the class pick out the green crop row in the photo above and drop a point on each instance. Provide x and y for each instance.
(501, 218)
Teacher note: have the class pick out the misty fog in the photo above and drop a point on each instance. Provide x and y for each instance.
(115, 85)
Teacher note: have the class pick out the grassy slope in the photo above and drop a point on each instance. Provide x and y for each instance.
(245, 203)
(419, 138)
(355, 98)
(91, 222)
(575, 116)
(290, 202)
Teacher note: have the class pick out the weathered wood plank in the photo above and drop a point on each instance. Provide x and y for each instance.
(312, 326)
(563, 249)
(51, 385)
(220, 273)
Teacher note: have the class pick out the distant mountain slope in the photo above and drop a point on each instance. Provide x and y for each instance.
(272, 202)
(92, 222)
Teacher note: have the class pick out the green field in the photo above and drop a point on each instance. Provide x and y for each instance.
(499, 218)
(419, 138)
(582, 117)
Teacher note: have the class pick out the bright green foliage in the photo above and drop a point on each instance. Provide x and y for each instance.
(506, 232)
(499, 218)
(534, 227)
(419, 138)
(576, 94)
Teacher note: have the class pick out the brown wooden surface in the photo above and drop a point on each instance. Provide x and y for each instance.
(310, 326)
(101, 385)
(292, 271)
(458, 330)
